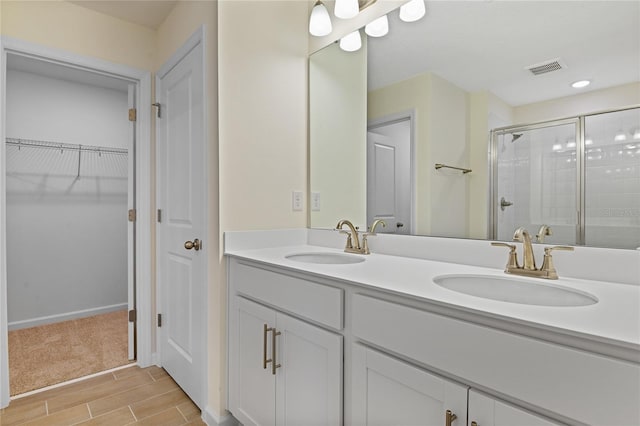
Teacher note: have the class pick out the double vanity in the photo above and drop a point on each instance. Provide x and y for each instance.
(427, 331)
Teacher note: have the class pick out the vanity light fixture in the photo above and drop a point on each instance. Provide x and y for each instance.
(351, 42)
(580, 84)
(588, 141)
(636, 134)
(319, 22)
(556, 147)
(412, 11)
(378, 27)
(571, 144)
(346, 9)
(620, 137)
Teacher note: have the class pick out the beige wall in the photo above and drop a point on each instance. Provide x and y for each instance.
(337, 136)
(62, 25)
(263, 113)
(441, 137)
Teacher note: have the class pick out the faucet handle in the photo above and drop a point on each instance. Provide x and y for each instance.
(548, 250)
(544, 231)
(548, 268)
(513, 256)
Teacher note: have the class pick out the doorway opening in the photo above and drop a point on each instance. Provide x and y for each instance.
(70, 249)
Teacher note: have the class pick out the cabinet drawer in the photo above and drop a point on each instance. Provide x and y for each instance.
(589, 388)
(305, 298)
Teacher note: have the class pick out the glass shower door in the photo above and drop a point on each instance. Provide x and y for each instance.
(612, 179)
(535, 180)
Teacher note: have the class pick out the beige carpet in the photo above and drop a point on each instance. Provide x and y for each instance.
(54, 353)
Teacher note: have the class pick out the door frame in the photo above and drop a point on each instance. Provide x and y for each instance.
(143, 273)
(196, 40)
(391, 119)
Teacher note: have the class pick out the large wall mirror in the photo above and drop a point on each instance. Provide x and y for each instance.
(466, 121)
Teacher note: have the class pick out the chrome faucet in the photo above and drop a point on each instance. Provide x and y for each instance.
(353, 242)
(547, 270)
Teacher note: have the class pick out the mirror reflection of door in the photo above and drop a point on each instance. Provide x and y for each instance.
(536, 181)
(389, 186)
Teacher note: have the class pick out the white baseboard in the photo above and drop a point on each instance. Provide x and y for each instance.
(17, 325)
(211, 418)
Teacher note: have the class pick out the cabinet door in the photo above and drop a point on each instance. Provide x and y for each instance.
(252, 399)
(386, 391)
(487, 411)
(309, 379)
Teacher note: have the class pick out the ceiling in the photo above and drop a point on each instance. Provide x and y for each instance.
(148, 13)
(486, 45)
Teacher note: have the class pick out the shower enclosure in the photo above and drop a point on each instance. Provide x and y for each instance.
(579, 176)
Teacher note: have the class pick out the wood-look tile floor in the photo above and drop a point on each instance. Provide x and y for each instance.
(140, 396)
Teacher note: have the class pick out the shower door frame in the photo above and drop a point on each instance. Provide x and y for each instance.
(579, 121)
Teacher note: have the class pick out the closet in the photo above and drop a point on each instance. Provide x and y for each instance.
(69, 147)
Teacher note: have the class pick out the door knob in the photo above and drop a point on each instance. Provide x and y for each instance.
(504, 203)
(195, 244)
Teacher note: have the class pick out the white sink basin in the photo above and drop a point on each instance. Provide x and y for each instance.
(507, 289)
(326, 258)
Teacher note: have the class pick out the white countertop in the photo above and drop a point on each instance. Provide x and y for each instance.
(614, 320)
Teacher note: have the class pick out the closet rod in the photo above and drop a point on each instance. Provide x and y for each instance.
(65, 146)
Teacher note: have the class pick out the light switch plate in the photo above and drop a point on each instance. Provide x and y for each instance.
(297, 201)
(315, 201)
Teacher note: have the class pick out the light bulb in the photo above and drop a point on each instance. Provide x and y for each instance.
(580, 84)
(412, 11)
(346, 9)
(319, 22)
(377, 27)
(351, 42)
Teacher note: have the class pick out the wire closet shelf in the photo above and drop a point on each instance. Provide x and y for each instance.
(29, 143)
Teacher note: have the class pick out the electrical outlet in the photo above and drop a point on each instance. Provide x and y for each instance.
(315, 201)
(297, 201)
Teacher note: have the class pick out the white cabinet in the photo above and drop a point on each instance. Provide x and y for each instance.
(487, 411)
(386, 391)
(283, 370)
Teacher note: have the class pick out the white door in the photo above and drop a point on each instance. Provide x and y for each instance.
(309, 379)
(386, 391)
(389, 185)
(252, 399)
(131, 228)
(486, 411)
(182, 202)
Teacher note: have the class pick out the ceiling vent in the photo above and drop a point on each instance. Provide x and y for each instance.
(546, 66)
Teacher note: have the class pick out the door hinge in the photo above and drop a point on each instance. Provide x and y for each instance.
(159, 320)
(132, 215)
(159, 215)
(132, 315)
(132, 114)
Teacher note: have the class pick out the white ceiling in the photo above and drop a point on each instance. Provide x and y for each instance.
(486, 45)
(148, 13)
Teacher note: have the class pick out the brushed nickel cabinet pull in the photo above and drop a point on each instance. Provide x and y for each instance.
(273, 350)
(265, 361)
(449, 418)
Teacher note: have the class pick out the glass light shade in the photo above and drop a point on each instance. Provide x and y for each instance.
(319, 22)
(346, 9)
(378, 27)
(571, 144)
(636, 134)
(351, 42)
(412, 11)
(619, 137)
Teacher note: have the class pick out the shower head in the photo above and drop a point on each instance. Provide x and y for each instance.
(515, 136)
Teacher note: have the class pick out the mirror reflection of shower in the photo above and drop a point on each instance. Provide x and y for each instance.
(580, 176)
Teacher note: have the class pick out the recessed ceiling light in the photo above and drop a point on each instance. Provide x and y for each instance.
(580, 84)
